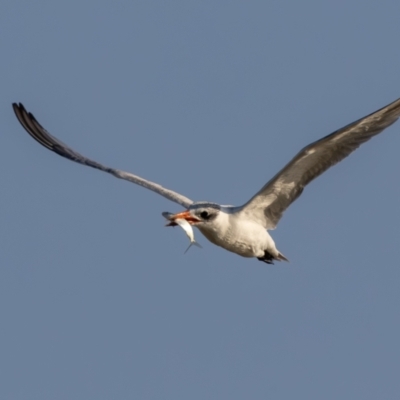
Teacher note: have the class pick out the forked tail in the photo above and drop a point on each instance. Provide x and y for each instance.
(281, 257)
(269, 258)
(191, 244)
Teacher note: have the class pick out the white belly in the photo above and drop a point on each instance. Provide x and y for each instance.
(246, 239)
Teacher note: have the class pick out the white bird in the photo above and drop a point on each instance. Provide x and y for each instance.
(243, 230)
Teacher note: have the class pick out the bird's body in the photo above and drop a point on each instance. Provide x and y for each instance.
(239, 235)
(243, 230)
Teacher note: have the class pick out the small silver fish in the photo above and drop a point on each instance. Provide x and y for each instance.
(185, 226)
(189, 232)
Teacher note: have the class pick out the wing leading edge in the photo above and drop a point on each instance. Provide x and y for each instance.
(32, 126)
(269, 204)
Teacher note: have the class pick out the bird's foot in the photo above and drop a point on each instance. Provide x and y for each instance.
(267, 258)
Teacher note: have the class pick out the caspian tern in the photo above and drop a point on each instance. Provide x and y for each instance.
(243, 230)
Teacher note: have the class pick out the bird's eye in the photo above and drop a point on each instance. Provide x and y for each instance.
(204, 215)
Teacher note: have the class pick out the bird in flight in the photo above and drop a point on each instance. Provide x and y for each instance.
(243, 229)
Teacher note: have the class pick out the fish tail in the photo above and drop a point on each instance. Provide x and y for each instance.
(191, 244)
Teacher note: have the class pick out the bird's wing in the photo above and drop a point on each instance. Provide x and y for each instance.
(32, 126)
(267, 206)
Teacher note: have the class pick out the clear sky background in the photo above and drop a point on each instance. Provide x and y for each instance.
(210, 98)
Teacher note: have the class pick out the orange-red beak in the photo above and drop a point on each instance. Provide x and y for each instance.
(182, 215)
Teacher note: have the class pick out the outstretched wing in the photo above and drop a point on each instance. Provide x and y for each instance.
(32, 126)
(287, 185)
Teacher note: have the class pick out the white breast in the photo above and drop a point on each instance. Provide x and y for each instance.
(238, 235)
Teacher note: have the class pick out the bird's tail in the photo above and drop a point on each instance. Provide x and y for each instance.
(281, 257)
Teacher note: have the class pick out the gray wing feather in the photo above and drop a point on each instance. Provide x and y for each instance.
(287, 185)
(32, 126)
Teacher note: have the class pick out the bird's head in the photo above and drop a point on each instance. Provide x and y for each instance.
(198, 214)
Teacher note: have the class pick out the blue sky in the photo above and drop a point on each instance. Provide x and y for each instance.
(97, 300)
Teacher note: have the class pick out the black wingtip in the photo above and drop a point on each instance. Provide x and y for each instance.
(18, 108)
